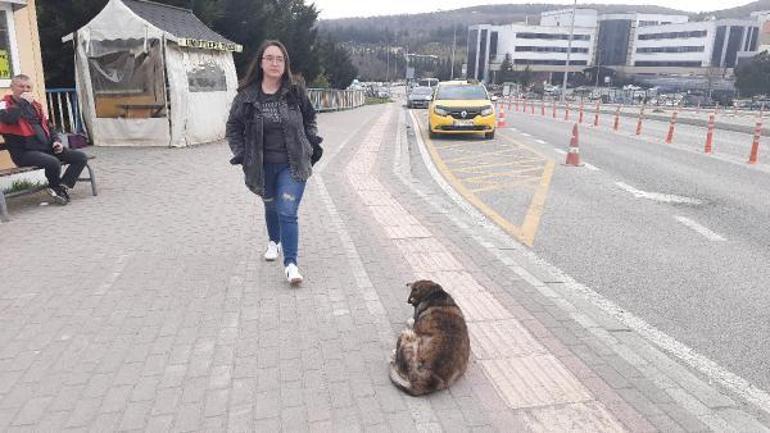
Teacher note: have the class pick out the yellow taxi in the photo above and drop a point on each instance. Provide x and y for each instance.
(461, 107)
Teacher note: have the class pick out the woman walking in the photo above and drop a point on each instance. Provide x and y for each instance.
(272, 133)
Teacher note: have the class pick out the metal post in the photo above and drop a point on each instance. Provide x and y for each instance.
(454, 47)
(569, 51)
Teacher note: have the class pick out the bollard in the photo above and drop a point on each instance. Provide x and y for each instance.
(516, 104)
(754, 156)
(671, 126)
(596, 116)
(709, 136)
(532, 108)
(616, 124)
(510, 102)
(542, 108)
(639, 122)
(573, 155)
(554, 108)
(697, 109)
(566, 111)
(580, 115)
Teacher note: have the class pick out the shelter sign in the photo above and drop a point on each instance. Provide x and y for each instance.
(210, 45)
(5, 65)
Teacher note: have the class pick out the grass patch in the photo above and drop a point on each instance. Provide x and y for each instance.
(370, 100)
(22, 184)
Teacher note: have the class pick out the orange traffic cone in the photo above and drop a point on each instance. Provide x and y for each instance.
(573, 156)
(501, 118)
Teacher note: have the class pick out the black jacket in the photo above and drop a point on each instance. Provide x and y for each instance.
(244, 133)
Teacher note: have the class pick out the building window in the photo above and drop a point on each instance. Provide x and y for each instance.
(647, 23)
(528, 49)
(493, 45)
(9, 62)
(483, 55)
(553, 36)
(549, 62)
(670, 49)
(672, 35)
(473, 39)
(668, 64)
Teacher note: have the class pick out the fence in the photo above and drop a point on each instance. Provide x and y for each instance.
(63, 110)
(332, 99)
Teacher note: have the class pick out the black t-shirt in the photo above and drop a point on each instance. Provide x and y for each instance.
(274, 144)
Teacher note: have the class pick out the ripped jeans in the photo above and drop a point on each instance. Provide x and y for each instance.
(282, 197)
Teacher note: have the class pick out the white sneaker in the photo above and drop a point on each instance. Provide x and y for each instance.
(292, 274)
(273, 249)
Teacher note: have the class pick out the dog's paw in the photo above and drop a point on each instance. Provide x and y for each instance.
(410, 323)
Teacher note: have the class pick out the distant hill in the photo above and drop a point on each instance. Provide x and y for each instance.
(739, 11)
(433, 33)
(437, 26)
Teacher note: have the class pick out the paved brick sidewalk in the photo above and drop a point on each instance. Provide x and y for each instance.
(148, 308)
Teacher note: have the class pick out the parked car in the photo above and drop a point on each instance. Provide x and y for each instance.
(419, 97)
(460, 107)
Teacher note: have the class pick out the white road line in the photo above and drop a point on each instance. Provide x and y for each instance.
(541, 141)
(713, 371)
(591, 167)
(708, 234)
(656, 196)
(560, 151)
(525, 134)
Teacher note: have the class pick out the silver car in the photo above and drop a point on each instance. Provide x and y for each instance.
(419, 97)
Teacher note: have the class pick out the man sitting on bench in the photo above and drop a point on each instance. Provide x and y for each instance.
(24, 127)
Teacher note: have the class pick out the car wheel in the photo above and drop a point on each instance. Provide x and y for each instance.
(489, 135)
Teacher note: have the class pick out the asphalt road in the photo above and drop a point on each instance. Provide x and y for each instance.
(674, 236)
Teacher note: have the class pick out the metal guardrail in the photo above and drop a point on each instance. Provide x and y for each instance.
(65, 115)
(333, 99)
(63, 110)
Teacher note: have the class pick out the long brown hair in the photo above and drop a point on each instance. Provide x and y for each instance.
(255, 74)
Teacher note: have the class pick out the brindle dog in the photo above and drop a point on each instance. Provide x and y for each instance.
(434, 353)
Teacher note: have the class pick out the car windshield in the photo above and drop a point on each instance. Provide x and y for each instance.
(422, 91)
(461, 92)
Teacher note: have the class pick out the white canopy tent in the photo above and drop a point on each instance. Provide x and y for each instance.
(149, 74)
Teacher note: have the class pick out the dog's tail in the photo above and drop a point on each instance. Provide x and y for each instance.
(400, 381)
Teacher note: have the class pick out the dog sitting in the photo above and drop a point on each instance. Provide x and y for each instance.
(434, 353)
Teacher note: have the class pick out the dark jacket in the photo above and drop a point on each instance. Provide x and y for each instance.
(244, 133)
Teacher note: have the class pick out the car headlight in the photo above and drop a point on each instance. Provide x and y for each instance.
(440, 111)
(487, 111)
(428, 98)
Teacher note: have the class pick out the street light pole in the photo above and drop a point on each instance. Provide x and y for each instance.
(569, 51)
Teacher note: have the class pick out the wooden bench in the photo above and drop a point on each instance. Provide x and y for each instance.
(16, 170)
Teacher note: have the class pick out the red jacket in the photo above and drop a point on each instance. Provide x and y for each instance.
(22, 128)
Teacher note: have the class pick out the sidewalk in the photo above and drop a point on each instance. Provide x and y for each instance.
(148, 308)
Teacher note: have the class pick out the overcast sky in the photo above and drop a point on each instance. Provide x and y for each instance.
(358, 8)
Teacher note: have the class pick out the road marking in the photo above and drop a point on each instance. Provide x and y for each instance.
(525, 233)
(591, 167)
(656, 196)
(667, 344)
(560, 151)
(525, 134)
(541, 141)
(708, 234)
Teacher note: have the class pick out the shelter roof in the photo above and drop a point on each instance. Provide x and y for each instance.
(177, 21)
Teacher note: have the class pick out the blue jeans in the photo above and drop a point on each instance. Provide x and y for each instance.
(282, 196)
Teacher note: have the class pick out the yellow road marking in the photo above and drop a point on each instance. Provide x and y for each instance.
(526, 233)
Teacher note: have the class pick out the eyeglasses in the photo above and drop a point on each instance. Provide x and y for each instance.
(273, 59)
